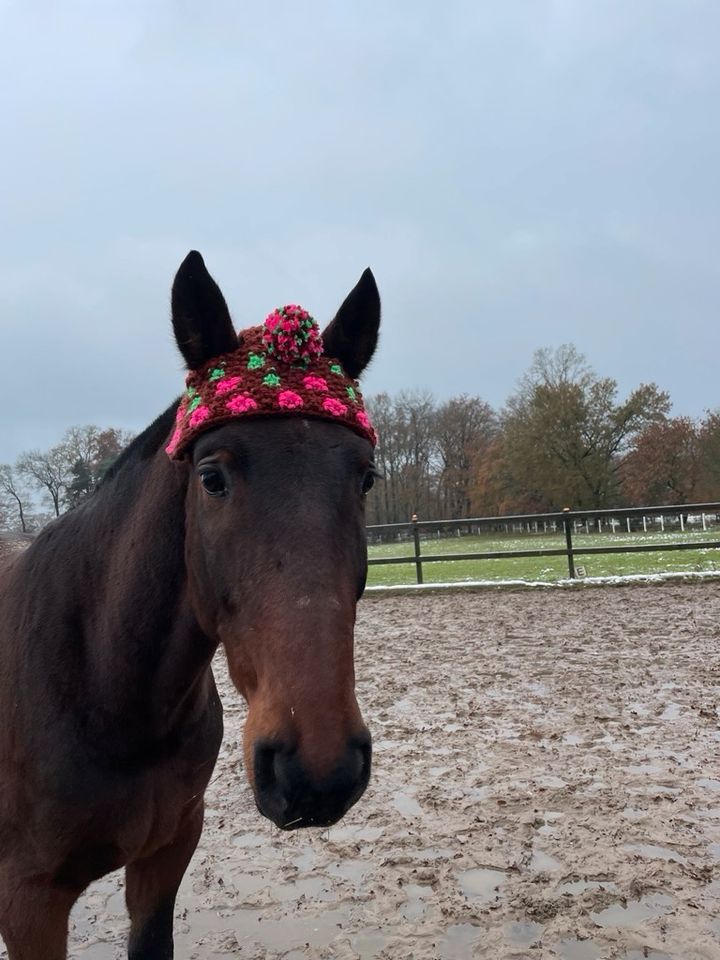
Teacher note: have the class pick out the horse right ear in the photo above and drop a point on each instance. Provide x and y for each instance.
(200, 317)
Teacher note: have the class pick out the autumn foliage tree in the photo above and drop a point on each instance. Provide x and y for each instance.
(465, 429)
(709, 443)
(664, 464)
(565, 432)
(495, 491)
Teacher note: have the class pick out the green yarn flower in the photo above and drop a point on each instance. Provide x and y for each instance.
(194, 404)
(336, 368)
(351, 393)
(216, 373)
(255, 361)
(271, 380)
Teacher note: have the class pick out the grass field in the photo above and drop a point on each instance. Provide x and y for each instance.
(543, 568)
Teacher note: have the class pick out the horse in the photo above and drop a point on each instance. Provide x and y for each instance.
(110, 722)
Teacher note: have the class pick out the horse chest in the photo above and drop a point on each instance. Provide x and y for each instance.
(121, 824)
(89, 815)
(123, 827)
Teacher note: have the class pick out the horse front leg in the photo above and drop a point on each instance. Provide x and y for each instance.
(151, 886)
(34, 919)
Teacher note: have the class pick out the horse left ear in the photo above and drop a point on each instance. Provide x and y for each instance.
(201, 320)
(352, 336)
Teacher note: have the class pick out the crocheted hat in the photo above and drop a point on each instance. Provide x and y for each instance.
(278, 368)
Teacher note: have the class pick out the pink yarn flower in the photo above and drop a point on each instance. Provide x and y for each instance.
(198, 415)
(241, 404)
(334, 407)
(363, 419)
(315, 383)
(174, 441)
(227, 384)
(289, 400)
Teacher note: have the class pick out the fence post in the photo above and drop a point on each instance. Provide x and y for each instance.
(568, 541)
(416, 538)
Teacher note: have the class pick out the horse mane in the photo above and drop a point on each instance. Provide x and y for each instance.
(145, 444)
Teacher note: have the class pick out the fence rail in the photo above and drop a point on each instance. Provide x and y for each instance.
(565, 520)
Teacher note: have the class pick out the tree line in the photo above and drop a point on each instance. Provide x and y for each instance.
(565, 438)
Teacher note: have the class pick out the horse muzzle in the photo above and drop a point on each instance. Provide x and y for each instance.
(292, 796)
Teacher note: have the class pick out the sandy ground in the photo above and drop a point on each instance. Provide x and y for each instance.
(546, 784)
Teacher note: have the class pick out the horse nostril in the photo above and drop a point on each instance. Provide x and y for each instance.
(264, 761)
(362, 746)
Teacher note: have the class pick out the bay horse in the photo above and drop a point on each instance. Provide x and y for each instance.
(110, 721)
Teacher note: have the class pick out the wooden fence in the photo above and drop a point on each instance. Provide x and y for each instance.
(566, 521)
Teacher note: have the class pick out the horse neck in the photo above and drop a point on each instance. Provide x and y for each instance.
(135, 657)
(147, 614)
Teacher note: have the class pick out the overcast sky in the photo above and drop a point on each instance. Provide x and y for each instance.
(517, 174)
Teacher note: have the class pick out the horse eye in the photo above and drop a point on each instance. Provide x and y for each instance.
(213, 482)
(368, 481)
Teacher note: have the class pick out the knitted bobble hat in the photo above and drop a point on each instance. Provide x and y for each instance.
(278, 368)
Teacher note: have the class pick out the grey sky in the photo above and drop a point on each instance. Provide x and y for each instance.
(517, 174)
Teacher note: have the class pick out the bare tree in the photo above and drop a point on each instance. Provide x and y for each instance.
(381, 502)
(14, 498)
(405, 456)
(90, 451)
(50, 472)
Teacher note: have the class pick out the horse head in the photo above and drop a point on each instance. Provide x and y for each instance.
(275, 544)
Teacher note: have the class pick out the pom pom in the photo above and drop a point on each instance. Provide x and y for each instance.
(292, 336)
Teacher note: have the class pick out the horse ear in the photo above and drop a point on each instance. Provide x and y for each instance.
(352, 336)
(200, 317)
